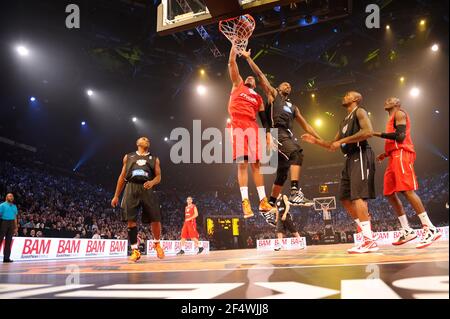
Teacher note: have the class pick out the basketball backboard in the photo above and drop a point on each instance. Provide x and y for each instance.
(324, 203)
(180, 15)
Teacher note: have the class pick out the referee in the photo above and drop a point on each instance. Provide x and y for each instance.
(8, 217)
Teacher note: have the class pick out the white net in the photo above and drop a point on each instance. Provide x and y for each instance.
(238, 31)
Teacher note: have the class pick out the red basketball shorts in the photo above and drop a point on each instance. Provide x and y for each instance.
(189, 231)
(245, 140)
(400, 175)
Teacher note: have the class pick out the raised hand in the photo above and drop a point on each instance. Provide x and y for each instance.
(246, 54)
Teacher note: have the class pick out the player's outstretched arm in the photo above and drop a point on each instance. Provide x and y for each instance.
(268, 89)
(305, 125)
(120, 183)
(400, 129)
(233, 68)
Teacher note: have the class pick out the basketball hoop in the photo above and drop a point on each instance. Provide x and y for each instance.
(238, 30)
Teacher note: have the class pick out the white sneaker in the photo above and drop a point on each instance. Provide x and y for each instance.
(431, 234)
(367, 246)
(406, 236)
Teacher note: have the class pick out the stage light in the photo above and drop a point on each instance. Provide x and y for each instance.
(166, 139)
(437, 111)
(22, 51)
(414, 92)
(368, 113)
(422, 22)
(83, 123)
(313, 95)
(202, 72)
(435, 48)
(32, 99)
(318, 122)
(201, 90)
(90, 92)
(402, 79)
(388, 27)
(134, 119)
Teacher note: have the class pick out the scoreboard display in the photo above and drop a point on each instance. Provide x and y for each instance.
(223, 231)
(220, 224)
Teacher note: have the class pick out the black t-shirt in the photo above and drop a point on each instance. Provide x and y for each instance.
(348, 127)
(140, 168)
(281, 112)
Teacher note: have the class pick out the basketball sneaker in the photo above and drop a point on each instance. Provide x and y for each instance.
(431, 234)
(181, 252)
(406, 236)
(297, 198)
(135, 255)
(200, 250)
(264, 205)
(367, 246)
(247, 209)
(159, 251)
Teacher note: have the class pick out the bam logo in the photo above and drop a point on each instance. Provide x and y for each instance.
(68, 246)
(95, 247)
(36, 247)
(118, 246)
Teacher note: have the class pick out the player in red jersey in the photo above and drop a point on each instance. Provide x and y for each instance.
(243, 107)
(190, 227)
(400, 176)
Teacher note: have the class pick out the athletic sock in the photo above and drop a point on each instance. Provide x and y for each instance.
(244, 192)
(426, 222)
(366, 229)
(404, 221)
(132, 237)
(261, 192)
(272, 200)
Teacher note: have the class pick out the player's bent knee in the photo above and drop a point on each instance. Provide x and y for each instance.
(297, 158)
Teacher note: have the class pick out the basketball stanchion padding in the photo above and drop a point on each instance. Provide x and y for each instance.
(238, 30)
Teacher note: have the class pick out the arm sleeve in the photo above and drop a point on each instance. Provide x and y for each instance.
(264, 121)
(399, 135)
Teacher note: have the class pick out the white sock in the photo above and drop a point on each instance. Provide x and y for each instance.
(404, 222)
(366, 229)
(244, 192)
(261, 192)
(135, 246)
(426, 222)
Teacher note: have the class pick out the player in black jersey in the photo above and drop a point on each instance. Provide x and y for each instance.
(358, 177)
(140, 173)
(281, 114)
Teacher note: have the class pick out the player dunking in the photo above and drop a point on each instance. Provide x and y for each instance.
(358, 177)
(400, 176)
(290, 155)
(189, 229)
(140, 173)
(243, 106)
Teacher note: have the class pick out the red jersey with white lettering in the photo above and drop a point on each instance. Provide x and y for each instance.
(189, 229)
(392, 145)
(244, 103)
(400, 175)
(189, 212)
